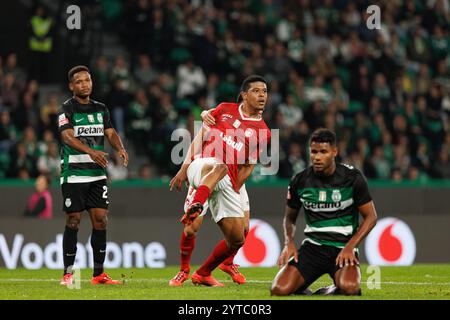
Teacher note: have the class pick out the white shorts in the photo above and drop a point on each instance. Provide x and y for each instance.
(223, 202)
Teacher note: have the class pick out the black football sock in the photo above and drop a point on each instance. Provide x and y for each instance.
(98, 243)
(69, 248)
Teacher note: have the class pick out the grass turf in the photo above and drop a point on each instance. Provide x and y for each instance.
(422, 282)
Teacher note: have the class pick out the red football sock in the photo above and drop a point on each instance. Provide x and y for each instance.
(229, 260)
(187, 245)
(220, 253)
(202, 194)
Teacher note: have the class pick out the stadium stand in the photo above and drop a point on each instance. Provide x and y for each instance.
(158, 64)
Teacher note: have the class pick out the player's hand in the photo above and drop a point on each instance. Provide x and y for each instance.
(289, 250)
(99, 157)
(347, 257)
(188, 219)
(207, 118)
(124, 155)
(178, 180)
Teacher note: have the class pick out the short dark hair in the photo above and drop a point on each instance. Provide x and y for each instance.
(47, 179)
(75, 70)
(323, 135)
(246, 84)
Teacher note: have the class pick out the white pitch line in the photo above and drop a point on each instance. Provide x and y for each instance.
(229, 281)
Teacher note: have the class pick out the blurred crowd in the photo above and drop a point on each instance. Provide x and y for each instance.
(386, 92)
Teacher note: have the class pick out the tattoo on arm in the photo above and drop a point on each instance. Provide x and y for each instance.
(290, 218)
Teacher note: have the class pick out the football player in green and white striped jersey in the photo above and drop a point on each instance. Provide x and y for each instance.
(333, 195)
(83, 124)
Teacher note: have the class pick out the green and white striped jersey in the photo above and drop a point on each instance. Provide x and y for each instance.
(89, 121)
(330, 203)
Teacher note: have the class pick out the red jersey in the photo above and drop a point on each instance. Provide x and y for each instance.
(235, 139)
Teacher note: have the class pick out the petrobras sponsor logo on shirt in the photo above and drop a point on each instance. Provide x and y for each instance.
(89, 130)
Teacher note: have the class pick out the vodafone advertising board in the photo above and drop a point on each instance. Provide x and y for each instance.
(391, 242)
(156, 244)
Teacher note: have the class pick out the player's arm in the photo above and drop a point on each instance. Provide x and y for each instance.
(194, 149)
(289, 250)
(69, 139)
(116, 143)
(347, 255)
(366, 208)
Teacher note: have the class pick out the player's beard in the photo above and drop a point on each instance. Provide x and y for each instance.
(83, 96)
(322, 172)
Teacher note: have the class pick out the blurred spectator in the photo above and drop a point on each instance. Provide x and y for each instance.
(40, 43)
(32, 88)
(339, 94)
(145, 172)
(316, 92)
(441, 169)
(116, 171)
(12, 67)
(29, 141)
(323, 65)
(139, 121)
(212, 90)
(27, 114)
(291, 113)
(381, 89)
(293, 162)
(101, 79)
(191, 80)
(144, 72)
(282, 65)
(50, 162)
(47, 138)
(418, 49)
(10, 91)
(117, 101)
(414, 174)
(207, 50)
(396, 175)
(22, 164)
(381, 165)
(8, 131)
(121, 72)
(49, 112)
(40, 204)
(423, 80)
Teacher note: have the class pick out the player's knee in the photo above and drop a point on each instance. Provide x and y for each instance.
(349, 288)
(277, 290)
(236, 244)
(73, 223)
(100, 222)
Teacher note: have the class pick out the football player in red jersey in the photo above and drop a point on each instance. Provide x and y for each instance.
(219, 161)
(190, 231)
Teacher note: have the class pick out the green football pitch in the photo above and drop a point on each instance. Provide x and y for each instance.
(422, 282)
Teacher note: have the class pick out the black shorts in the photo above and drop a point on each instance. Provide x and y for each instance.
(315, 261)
(78, 197)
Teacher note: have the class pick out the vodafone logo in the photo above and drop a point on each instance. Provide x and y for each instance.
(391, 242)
(261, 248)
